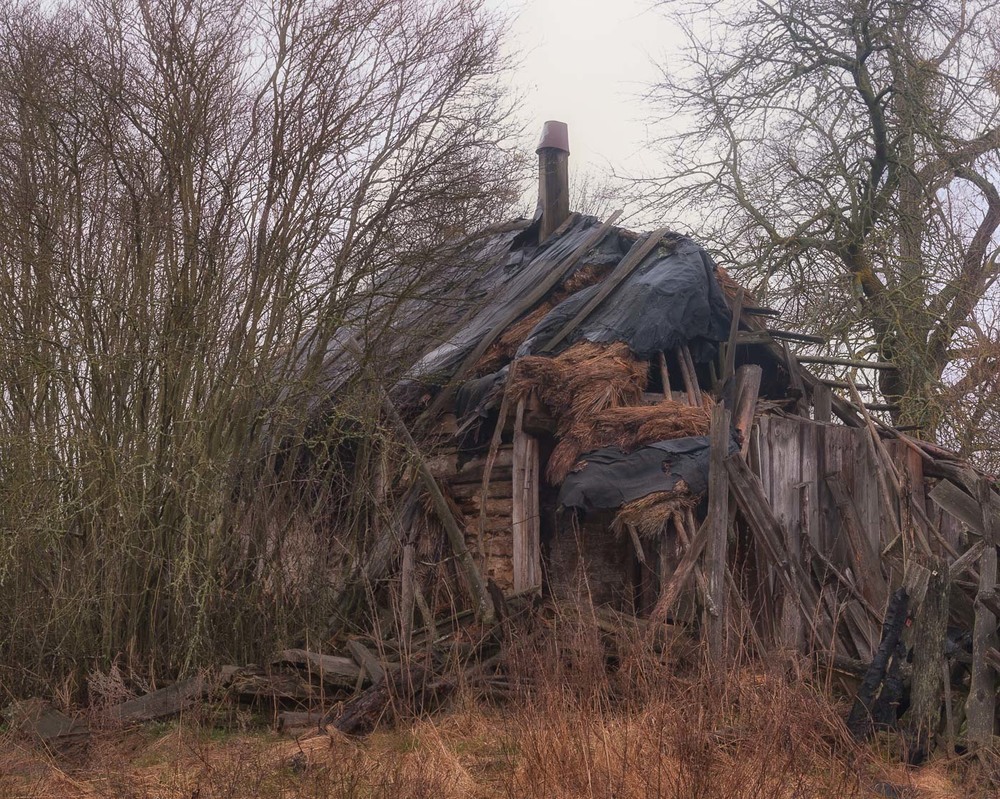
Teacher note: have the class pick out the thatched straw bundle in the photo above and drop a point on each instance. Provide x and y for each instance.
(583, 381)
(649, 514)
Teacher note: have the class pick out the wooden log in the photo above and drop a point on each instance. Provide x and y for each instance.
(291, 720)
(980, 708)
(362, 713)
(636, 255)
(928, 644)
(446, 465)
(718, 511)
(525, 521)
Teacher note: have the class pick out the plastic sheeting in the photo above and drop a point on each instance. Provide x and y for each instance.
(611, 477)
(672, 298)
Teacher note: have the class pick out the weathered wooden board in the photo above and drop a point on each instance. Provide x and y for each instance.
(525, 519)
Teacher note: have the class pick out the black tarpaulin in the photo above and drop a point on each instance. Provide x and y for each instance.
(611, 477)
(672, 298)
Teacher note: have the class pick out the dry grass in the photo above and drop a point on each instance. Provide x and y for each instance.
(654, 725)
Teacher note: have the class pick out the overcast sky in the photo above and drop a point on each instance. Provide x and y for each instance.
(587, 63)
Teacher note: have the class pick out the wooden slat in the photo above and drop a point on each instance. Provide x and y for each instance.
(718, 512)
(784, 496)
(525, 510)
(981, 705)
(750, 497)
(862, 548)
(729, 369)
(690, 375)
(365, 658)
(747, 388)
(845, 362)
(955, 501)
(636, 255)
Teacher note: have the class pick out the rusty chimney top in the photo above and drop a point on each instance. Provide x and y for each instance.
(553, 177)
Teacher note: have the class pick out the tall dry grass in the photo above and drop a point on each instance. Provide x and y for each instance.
(655, 724)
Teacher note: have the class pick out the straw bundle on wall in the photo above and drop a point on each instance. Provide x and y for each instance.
(649, 514)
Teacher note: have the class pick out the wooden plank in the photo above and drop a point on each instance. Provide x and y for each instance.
(845, 362)
(718, 512)
(365, 658)
(729, 369)
(525, 510)
(863, 553)
(980, 707)
(822, 403)
(750, 497)
(928, 639)
(636, 255)
(955, 501)
(965, 561)
(748, 379)
(331, 669)
(786, 476)
(160, 704)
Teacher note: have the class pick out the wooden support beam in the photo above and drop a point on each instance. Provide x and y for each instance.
(664, 374)
(729, 369)
(845, 362)
(718, 512)
(745, 402)
(981, 705)
(525, 520)
(928, 644)
(690, 375)
(822, 403)
(672, 588)
(636, 255)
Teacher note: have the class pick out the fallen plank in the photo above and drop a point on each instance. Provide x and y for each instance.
(160, 704)
(364, 657)
(963, 507)
(331, 669)
(41, 722)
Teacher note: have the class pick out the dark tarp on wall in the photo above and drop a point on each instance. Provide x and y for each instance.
(611, 477)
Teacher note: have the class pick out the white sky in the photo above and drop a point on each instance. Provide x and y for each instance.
(586, 63)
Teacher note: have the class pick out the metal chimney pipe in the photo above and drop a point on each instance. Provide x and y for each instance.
(553, 177)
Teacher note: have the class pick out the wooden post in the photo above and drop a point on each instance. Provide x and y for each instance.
(553, 177)
(718, 512)
(525, 512)
(929, 630)
(981, 705)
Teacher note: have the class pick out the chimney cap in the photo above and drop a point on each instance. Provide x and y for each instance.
(555, 135)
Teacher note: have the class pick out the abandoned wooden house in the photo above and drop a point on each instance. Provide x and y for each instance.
(609, 415)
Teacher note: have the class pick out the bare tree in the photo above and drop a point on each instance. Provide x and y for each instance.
(843, 155)
(187, 186)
